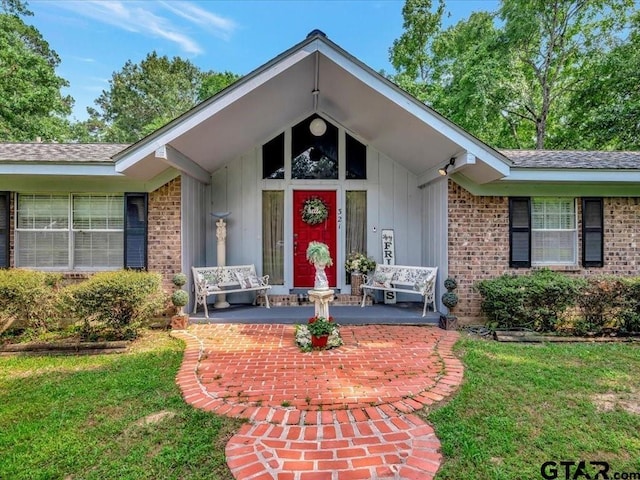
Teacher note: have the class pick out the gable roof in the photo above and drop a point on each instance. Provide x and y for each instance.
(280, 93)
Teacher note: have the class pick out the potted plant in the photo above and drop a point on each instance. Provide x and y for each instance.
(180, 298)
(449, 300)
(320, 328)
(355, 265)
(318, 255)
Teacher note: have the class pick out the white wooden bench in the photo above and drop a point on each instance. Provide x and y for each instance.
(229, 279)
(402, 279)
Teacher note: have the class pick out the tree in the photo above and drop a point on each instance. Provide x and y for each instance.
(509, 83)
(412, 55)
(31, 103)
(213, 83)
(605, 112)
(549, 40)
(143, 97)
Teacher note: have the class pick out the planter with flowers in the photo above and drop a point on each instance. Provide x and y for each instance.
(319, 333)
(318, 255)
(356, 265)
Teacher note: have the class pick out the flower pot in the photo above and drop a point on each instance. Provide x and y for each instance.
(179, 322)
(356, 281)
(319, 342)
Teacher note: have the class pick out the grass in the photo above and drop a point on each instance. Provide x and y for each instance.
(520, 405)
(80, 418)
(523, 404)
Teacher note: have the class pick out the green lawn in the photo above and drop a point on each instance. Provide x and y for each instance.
(520, 406)
(79, 418)
(525, 404)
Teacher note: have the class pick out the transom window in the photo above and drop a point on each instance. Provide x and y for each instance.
(77, 232)
(554, 237)
(314, 156)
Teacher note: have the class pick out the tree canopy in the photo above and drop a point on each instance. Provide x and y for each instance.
(31, 102)
(511, 76)
(143, 97)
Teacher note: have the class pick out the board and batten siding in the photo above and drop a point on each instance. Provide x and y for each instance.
(393, 201)
(194, 202)
(435, 237)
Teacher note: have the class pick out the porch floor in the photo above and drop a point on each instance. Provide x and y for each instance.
(402, 313)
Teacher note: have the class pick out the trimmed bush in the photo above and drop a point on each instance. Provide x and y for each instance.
(29, 298)
(113, 305)
(535, 301)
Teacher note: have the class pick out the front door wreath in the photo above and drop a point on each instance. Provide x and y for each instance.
(314, 211)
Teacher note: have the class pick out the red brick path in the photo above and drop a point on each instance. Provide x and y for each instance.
(337, 415)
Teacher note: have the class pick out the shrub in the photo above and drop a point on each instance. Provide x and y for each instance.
(29, 298)
(535, 300)
(113, 305)
(180, 298)
(179, 279)
(629, 318)
(600, 303)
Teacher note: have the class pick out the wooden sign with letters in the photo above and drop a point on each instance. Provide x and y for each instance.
(388, 258)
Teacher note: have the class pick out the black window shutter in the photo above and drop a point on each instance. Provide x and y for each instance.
(5, 207)
(519, 232)
(135, 231)
(592, 232)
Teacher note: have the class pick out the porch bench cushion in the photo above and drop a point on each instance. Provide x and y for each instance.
(228, 279)
(402, 279)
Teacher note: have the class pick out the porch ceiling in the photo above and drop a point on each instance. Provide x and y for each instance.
(279, 94)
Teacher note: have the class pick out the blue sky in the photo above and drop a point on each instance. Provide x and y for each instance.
(94, 39)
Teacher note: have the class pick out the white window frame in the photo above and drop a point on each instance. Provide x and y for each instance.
(574, 244)
(70, 230)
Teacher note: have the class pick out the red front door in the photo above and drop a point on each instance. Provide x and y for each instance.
(303, 233)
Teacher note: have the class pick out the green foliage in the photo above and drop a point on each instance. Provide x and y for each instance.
(114, 304)
(319, 326)
(31, 103)
(143, 97)
(515, 77)
(29, 298)
(535, 300)
(179, 279)
(318, 253)
(214, 82)
(180, 298)
(450, 299)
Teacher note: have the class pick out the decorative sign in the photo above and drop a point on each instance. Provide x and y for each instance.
(388, 258)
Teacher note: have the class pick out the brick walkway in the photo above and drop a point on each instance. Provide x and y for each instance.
(337, 415)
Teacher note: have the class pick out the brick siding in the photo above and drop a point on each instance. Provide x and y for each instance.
(164, 238)
(479, 243)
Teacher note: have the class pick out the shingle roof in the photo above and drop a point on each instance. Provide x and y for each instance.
(573, 159)
(59, 152)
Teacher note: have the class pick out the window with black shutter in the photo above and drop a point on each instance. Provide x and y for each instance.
(5, 205)
(520, 232)
(135, 231)
(592, 232)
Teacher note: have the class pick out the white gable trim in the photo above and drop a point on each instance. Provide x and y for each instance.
(386, 88)
(194, 117)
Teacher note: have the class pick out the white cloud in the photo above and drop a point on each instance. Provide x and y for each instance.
(135, 17)
(219, 26)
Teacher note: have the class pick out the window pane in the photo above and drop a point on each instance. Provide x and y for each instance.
(47, 212)
(42, 249)
(553, 247)
(356, 159)
(98, 249)
(97, 212)
(273, 158)
(273, 236)
(356, 221)
(314, 157)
